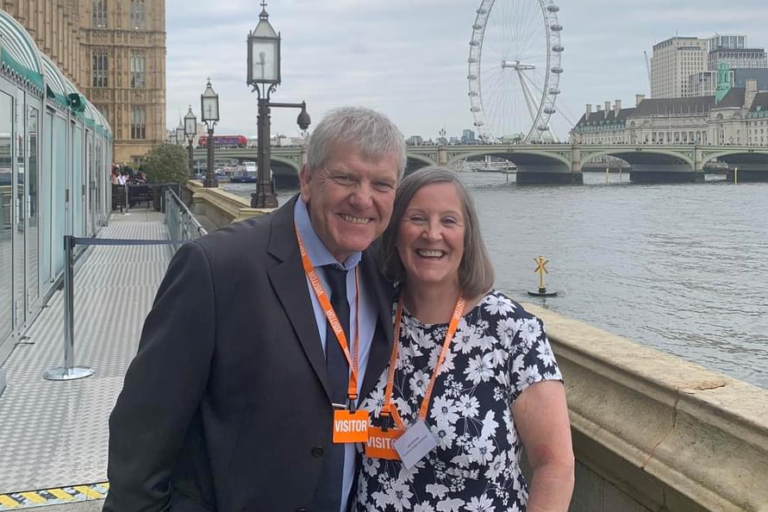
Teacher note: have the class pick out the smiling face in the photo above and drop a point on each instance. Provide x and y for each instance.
(430, 239)
(349, 199)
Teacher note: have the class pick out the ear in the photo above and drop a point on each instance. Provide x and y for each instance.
(305, 176)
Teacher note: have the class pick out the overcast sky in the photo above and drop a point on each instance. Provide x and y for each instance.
(408, 58)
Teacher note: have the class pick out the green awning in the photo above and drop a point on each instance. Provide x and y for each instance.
(19, 53)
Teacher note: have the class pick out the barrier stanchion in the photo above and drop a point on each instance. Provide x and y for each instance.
(69, 371)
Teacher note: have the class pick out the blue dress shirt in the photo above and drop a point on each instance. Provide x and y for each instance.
(320, 255)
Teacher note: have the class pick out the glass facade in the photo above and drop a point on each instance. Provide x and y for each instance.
(6, 215)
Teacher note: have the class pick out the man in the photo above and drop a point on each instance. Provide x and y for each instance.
(229, 403)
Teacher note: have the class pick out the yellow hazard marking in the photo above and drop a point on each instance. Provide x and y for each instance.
(33, 497)
(30, 499)
(61, 494)
(8, 502)
(88, 492)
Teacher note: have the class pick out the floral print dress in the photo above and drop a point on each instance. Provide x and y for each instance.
(498, 350)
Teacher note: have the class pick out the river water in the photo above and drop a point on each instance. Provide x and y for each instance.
(681, 268)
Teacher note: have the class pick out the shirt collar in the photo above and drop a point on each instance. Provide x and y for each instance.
(316, 250)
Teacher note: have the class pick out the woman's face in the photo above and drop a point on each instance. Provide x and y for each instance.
(430, 238)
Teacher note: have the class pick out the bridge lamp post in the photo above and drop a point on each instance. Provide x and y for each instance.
(209, 102)
(190, 130)
(264, 77)
(179, 134)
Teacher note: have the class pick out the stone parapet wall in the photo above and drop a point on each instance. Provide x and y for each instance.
(656, 431)
(218, 206)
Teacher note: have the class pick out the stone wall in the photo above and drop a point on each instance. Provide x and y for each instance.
(654, 432)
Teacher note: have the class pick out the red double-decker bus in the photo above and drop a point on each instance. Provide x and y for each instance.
(224, 141)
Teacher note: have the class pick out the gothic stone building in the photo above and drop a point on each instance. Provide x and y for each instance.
(114, 53)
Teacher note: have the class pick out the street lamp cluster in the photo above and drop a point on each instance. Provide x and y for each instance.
(187, 129)
(263, 77)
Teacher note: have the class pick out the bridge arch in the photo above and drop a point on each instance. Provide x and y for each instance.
(635, 156)
(518, 156)
(416, 162)
(757, 154)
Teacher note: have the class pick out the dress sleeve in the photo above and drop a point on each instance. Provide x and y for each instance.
(531, 359)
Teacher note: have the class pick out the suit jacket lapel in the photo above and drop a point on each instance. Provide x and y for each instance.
(290, 285)
(381, 345)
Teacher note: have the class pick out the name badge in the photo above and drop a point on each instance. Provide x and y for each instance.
(415, 444)
(350, 427)
(381, 445)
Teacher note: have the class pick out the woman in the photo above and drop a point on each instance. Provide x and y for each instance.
(459, 432)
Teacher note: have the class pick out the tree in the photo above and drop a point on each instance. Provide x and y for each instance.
(167, 163)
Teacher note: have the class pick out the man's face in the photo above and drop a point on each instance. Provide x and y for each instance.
(350, 199)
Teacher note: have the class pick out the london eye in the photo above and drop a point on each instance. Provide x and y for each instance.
(514, 69)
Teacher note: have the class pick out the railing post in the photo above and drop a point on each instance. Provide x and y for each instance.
(69, 371)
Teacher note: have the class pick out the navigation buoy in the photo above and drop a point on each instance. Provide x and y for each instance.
(541, 268)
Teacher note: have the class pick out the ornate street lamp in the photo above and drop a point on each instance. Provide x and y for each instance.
(190, 130)
(209, 102)
(264, 77)
(180, 133)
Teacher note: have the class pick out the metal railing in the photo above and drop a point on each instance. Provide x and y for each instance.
(182, 225)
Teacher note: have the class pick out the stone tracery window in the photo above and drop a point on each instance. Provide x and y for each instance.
(138, 70)
(100, 69)
(138, 15)
(99, 14)
(139, 123)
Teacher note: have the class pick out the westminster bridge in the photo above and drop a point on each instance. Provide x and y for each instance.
(553, 163)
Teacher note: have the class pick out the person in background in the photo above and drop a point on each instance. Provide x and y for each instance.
(472, 378)
(243, 364)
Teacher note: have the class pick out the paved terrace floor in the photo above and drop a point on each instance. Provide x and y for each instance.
(53, 435)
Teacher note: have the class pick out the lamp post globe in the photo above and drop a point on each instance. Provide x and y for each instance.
(263, 52)
(209, 106)
(190, 130)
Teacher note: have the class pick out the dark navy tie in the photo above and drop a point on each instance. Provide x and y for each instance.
(328, 492)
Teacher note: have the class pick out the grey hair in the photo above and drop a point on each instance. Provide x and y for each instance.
(476, 274)
(374, 135)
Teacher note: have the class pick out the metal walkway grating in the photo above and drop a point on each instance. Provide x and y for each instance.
(54, 434)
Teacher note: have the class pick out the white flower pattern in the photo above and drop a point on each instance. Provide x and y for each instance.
(498, 351)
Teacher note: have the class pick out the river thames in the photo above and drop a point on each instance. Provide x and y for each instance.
(681, 268)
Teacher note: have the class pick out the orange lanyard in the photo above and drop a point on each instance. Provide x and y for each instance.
(387, 409)
(330, 314)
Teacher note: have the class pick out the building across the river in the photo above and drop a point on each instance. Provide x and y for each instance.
(114, 52)
(734, 115)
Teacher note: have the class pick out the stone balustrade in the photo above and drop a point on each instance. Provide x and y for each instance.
(219, 206)
(654, 432)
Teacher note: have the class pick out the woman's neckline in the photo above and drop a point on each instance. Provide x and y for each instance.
(470, 306)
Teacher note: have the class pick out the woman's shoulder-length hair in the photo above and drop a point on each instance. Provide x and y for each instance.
(476, 274)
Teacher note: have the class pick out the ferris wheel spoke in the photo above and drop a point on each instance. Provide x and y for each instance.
(529, 101)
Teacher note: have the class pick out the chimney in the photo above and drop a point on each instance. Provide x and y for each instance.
(599, 108)
(589, 109)
(749, 97)
(617, 108)
(638, 99)
(607, 108)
